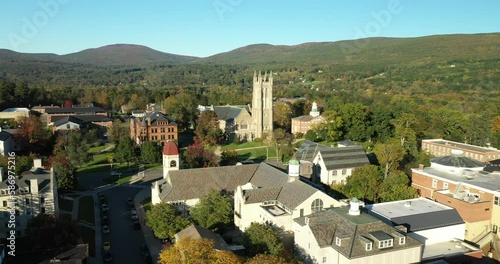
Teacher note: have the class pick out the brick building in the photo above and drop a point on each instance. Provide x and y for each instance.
(154, 126)
(442, 147)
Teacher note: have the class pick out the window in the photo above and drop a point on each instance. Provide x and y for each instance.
(344, 172)
(317, 205)
(301, 212)
(173, 163)
(324, 259)
(42, 200)
(334, 173)
(402, 240)
(28, 211)
(434, 183)
(445, 185)
(368, 246)
(385, 243)
(244, 124)
(27, 200)
(338, 241)
(42, 210)
(497, 200)
(5, 203)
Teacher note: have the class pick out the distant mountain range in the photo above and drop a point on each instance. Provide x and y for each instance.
(370, 51)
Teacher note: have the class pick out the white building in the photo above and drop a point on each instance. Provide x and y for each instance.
(346, 235)
(7, 143)
(36, 192)
(279, 203)
(439, 227)
(331, 165)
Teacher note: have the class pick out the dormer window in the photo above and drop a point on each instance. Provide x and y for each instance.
(338, 241)
(385, 243)
(368, 246)
(402, 240)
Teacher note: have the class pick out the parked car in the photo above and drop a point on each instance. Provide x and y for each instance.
(144, 249)
(133, 215)
(115, 174)
(130, 203)
(107, 257)
(105, 229)
(105, 220)
(106, 247)
(137, 225)
(104, 207)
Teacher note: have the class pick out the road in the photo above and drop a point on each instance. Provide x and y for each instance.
(125, 241)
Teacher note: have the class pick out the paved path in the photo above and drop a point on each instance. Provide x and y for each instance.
(154, 245)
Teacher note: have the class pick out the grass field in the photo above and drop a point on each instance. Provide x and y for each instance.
(241, 145)
(86, 209)
(257, 153)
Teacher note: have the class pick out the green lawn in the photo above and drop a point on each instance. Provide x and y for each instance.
(86, 209)
(88, 236)
(123, 180)
(97, 149)
(66, 205)
(258, 153)
(249, 144)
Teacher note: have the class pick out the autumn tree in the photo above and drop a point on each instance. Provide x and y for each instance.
(196, 251)
(363, 183)
(151, 152)
(183, 108)
(396, 187)
(266, 259)
(165, 220)
(404, 131)
(118, 130)
(31, 133)
(229, 157)
(389, 155)
(125, 151)
(207, 128)
(66, 172)
(214, 210)
(332, 128)
(282, 115)
(261, 239)
(196, 156)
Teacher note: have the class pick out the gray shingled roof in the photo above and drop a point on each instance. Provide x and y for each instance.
(458, 161)
(198, 232)
(345, 157)
(4, 135)
(155, 117)
(353, 230)
(228, 113)
(76, 110)
(65, 119)
(95, 118)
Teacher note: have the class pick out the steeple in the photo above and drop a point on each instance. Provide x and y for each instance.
(314, 110)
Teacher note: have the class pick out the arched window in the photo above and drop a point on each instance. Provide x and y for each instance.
(173, 163)
(244, 124)
(316, 206)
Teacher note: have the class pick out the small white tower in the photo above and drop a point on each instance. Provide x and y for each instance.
(171, 159)
(293, 169)
(314, 110)
(354, 207)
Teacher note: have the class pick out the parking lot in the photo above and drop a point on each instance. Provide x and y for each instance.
(125, 240)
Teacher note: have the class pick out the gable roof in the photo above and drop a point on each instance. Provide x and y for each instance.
(344, 157)
(198, 232)
(65, 119)
(308, 150)
(229, 112)
(354, 232)
(155, 117)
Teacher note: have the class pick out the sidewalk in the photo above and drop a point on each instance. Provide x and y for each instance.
(154, 245)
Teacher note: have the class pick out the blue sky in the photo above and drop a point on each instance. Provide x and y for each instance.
(206, 27)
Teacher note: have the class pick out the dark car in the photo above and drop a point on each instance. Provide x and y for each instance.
(107, 258)
(144, 249)
(137, 225)
(105, 220)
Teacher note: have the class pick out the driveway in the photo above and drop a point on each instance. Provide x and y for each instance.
(125, 241)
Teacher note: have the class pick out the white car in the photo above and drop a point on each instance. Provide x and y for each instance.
(133, 215)
(104, 207)
(105, 229)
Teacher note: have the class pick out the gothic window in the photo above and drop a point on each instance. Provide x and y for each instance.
(316, 206)
(173, 163)
(244, 124)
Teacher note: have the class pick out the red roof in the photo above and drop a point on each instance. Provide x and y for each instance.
(170, 149)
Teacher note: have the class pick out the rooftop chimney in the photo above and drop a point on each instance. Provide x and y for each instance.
(34, 185)
(354, 209)
(421, 167)
(37, 163)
